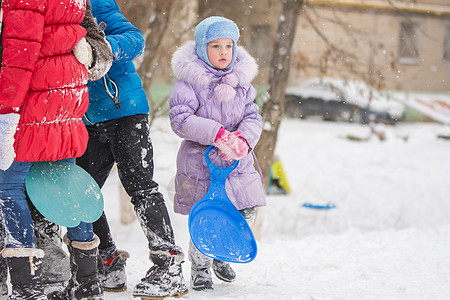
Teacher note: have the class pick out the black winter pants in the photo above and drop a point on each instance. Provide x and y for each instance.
(126, 141)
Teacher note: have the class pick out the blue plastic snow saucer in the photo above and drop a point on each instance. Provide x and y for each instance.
(64, 193)
(217, 228)
(319, 206)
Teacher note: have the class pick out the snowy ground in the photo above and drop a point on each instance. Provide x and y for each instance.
(388, 238)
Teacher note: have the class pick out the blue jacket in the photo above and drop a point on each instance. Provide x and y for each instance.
(127, 43)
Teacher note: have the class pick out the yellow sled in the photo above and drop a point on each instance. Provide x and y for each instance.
(278, 179)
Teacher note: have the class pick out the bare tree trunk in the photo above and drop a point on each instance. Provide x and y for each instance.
(152, 18)
(127, 214)
(273, 108)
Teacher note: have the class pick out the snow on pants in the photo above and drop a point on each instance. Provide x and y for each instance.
(126, 141)
(48, 237)
(16, 218)
(34, 230)
(201, 261)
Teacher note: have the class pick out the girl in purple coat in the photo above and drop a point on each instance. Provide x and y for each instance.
(213, 104)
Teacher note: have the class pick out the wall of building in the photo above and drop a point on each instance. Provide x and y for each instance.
(360, 39)
(364, 42)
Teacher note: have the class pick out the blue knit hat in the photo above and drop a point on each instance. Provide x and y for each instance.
(211, 29)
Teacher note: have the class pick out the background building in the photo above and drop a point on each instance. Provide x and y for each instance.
(393, 45)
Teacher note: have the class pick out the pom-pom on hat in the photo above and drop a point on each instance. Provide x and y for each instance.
(211, 29)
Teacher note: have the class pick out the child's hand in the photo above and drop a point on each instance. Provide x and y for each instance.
(238, 134)
(102, 58)
(231, 145)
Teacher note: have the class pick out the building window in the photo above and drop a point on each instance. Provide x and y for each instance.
(409, 43)
(446, 44)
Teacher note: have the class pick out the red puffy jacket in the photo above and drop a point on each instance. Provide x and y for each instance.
(42, 79)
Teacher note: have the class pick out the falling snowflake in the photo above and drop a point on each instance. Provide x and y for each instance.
(81, 4)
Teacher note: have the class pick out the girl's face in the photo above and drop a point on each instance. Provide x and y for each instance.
(220, 52)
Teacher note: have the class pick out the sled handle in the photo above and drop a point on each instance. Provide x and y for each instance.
(218, 174)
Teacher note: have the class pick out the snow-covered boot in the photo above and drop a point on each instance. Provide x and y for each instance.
(201, 279)
(223, 271)
(3, 269)
(114, 277)
(3, 290)
(200, 269)
(164, 278)
(3, 277)
(56, 265)
(84, 284)
(25, 273)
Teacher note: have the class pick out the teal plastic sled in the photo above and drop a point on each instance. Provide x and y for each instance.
(217, 228)
(64, 193)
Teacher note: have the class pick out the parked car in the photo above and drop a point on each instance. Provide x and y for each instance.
(341, 100)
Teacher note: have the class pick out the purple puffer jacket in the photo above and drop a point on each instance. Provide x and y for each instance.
(203, 101)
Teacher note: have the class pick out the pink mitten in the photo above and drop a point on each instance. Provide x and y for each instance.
(238, 134)
(231, 146)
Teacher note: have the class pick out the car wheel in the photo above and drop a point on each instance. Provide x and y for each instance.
(293, 108)
(329, 117)
(344, 116)
(357, 116)
(298, 112)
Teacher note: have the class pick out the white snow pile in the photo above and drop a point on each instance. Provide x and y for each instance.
(350, 91)
(387, 238)
(435, 106)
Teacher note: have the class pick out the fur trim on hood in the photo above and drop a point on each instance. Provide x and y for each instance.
(188, 67)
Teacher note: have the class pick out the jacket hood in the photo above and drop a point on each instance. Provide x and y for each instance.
(188, 67)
